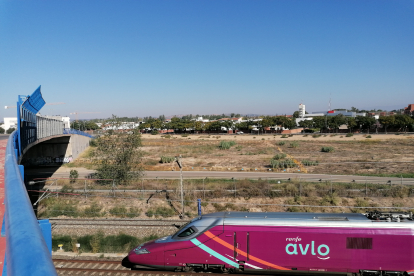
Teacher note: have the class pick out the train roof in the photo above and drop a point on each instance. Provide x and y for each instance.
(301, 219)
(289, 216)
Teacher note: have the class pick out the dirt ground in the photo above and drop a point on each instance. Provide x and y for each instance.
(379, 155)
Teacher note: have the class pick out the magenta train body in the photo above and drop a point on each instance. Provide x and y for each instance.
(355, 244)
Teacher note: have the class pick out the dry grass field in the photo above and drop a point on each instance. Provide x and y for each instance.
(359, 154)
(378, 155)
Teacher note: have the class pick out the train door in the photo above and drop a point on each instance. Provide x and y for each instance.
(241, 246)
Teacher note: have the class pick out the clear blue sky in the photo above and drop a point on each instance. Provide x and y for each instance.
(141, 58)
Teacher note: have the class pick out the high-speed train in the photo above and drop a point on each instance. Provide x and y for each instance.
(318, 243)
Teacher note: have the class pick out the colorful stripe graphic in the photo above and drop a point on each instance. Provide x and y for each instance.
(226, 244)
(214, 253)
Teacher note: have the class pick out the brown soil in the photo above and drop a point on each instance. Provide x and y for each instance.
(381, 154)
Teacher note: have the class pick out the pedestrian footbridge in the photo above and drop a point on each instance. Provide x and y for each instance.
(26, 241)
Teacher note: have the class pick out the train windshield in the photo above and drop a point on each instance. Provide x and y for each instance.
(189, 230)
(182, 227)
(186, 232)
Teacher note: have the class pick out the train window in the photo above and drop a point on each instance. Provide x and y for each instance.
(359, 243)
(187, 232)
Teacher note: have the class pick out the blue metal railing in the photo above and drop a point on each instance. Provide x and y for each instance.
(75, 131)
(26, 249)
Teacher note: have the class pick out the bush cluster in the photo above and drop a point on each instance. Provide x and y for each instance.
(99, 242)
(226, 144)
(167, 159)
(327, 149)
(294, 144)
(282, 164)
(123, 212)
(279, 156)
(164, 212)
(310, 162)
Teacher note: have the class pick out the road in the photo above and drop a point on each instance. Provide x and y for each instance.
(83, 173)
(4, 136)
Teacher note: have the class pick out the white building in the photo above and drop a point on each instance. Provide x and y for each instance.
(10, 122)
(302, 111)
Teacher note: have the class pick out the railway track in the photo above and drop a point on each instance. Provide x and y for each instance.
(106, 268)
(116, 222)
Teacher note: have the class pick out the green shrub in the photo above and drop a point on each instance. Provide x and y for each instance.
(221, 208)
(73, 176)
(327, 149)
(99, 242)
(133, 212)
(184, 135)
(167, 136)
(281, 143)
(310, 163)
(94, 210)
(368, 136)
(284, 136)
(118, 211)
(167, 159)
(284, 164)
(226, 144)
(349, 134)
(92, 143)
(164, 212)
(279, 156)
(294, 144)
(61, 209)
(154, 132)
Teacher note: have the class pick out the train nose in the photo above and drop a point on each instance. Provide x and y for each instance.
(150, 255)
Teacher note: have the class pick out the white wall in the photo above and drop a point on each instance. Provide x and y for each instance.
(10, 122)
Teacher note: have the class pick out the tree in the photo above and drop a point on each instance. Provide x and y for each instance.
(296, 114)
(10, 130)
(214, 126)
(161, 118)
(403, 121)
(118, 155)
(365, 122)
(2, 130)
(351, 123)
(198, 126)
(89, 125)
(335, 122)
(386, 121)
(319, 122)
(306, 123)
(227, 124)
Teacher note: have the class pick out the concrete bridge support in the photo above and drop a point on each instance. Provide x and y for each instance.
(55, 150)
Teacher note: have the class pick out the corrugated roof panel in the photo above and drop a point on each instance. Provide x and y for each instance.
(34, 102)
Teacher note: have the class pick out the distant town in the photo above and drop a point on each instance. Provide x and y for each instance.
(335, 120)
